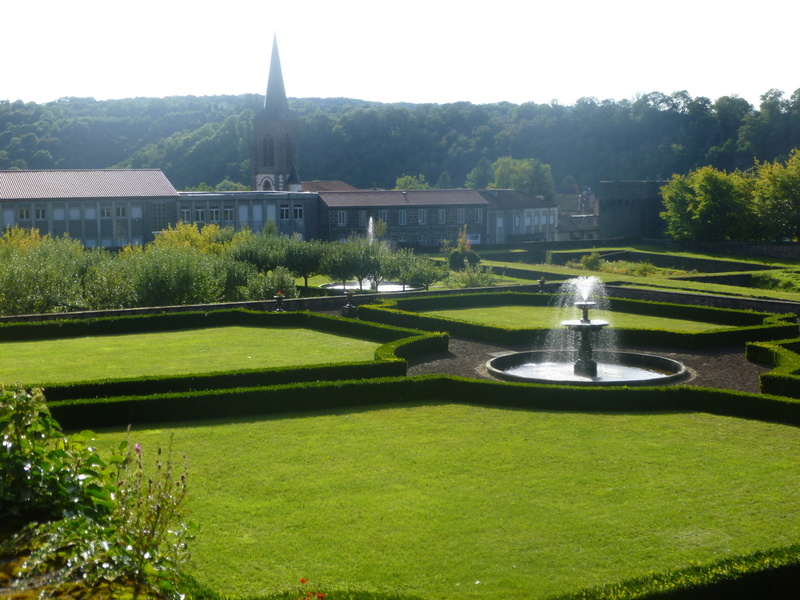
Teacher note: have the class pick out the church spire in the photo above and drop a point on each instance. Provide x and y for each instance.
(275, 103)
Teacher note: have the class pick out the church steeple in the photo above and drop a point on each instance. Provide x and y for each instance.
(275, 104)
(273, 159)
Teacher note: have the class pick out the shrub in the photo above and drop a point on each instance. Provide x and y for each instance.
(80, 518)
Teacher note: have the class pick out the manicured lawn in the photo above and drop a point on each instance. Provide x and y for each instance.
(174, 352)
(448, 501)
(547, 316)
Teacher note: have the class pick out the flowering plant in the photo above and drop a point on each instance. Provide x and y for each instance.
(308, 594)
(280, 294)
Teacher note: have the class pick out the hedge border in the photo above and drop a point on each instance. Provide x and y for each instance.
(784, 358)
(769, 568)
(744, 325)
(398, 344)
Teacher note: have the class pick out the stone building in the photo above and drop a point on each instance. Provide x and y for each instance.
(105, 208)
(630, 209)
(515, 216)
(413, 218)
(274, 155)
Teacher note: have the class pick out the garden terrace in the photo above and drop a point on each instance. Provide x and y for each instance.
(459, 462)
(193, 351)
(518, 318)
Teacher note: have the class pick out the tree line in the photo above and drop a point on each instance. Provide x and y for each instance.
(190, 265)
(759, 203)
(204, 142)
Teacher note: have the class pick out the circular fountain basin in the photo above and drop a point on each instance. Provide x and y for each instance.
(613, 368)
(387, 286)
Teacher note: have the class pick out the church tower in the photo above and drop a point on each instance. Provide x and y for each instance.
(273, 159)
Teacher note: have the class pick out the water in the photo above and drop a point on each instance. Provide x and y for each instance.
(564, 371)
(579, 289)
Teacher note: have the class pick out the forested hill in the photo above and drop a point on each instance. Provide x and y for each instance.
(206, 140)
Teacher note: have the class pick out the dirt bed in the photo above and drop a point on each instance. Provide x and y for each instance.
(725, 368)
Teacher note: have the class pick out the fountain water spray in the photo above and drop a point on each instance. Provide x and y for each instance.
(570, 357)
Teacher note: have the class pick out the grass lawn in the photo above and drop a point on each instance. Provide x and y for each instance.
(448, 501)
(173, 352)
(548, 317)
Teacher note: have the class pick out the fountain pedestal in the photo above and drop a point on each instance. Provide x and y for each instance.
(585, 366)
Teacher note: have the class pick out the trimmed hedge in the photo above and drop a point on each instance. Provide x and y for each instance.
(320, 395)
(744, 326)
(754, 575)
(784, 358)
(398, 345)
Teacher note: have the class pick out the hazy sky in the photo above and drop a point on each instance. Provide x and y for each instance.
(400, 51)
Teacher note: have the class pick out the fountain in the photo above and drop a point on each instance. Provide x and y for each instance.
(383, 286)
(571, 358)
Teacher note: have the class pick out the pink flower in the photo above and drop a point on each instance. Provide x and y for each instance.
(138, 448)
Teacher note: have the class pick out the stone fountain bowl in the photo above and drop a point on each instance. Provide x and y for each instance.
(614, 368)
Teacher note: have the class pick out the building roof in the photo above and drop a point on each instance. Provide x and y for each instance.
(333, 185)
(92, 183)
(399, 199)
(514, 199)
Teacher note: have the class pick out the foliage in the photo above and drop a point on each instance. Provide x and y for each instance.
(777, 197)
(463, 256)
(528, 174)
(472, 276)
(207, 139)
(412, 182)
(83, 518)
(709, 205)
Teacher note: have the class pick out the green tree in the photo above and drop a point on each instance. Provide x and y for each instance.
(709, 205)
(777, 197)
(529, 174)
(412, 182)
(304, 258)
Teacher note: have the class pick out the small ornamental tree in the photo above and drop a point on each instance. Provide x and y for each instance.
(463, 256)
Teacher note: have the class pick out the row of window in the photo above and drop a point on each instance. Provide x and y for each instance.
(296, 210)
(402, 216)
(200, 214)
(40, 214)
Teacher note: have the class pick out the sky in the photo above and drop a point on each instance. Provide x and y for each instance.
(431, 51)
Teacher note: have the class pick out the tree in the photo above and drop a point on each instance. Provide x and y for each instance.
(481, 176)
(412, 182)
(529, 174)
(304, 259)
(709, 205)
(777, 197)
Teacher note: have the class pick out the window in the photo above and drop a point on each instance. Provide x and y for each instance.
(442, 216)
(200, 214)
(136, 212)
(298, 212)
(479, 215)
(213, 214)
(74, 214)
(268, 150)
(422, 216)
(41, 213)
(105, 212)
(24, 214)
(341, 218)
(186, 214)
(284, 212)
(383, 215)
(536, 220)
(362, 218)
(422, 241)
(122, 212)
(462, 215)
(159, 216)
(552, 219)
(228, 213)
(402, 217)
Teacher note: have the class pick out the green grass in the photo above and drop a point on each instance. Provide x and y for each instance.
(447, 501)
(547, 317)
(210, 350)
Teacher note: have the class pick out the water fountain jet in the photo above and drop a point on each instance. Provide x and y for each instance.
(574, 360)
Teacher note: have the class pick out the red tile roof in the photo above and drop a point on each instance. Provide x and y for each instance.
(392, 198)
(92, 183)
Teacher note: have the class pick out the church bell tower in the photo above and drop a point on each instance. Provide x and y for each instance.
(273, 160)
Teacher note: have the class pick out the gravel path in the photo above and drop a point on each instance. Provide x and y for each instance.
(725, 368)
